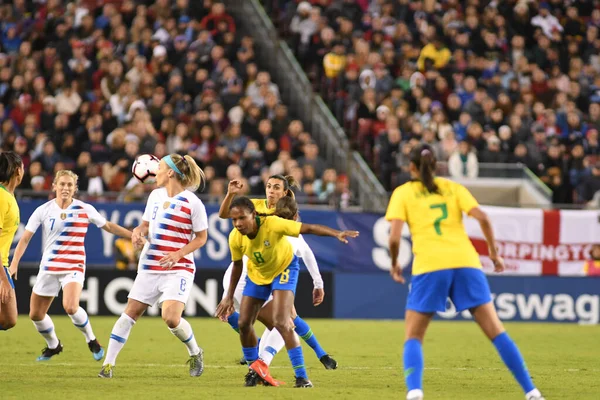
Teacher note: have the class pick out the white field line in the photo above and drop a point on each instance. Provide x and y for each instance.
(126, 365)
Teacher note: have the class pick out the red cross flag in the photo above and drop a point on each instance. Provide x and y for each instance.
(538, 242)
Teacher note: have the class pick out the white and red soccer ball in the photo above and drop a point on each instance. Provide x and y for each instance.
(145, 167)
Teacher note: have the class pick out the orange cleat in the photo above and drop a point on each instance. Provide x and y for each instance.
(264, 375)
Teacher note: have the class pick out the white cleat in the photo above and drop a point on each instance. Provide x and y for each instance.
(534, 395)
(415, 394)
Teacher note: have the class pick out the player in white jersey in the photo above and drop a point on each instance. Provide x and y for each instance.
(271, 341)
(64, 221)
(175, 225)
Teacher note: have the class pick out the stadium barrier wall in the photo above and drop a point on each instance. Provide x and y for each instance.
(532, 241)
(539, 299)
(105, 293)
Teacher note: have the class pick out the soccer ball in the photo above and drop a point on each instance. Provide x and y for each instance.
(145, 168)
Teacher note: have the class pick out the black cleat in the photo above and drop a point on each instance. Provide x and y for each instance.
(251, 379)
(328, 362)
(243, 361)
(96, 349)
(303, 383)
(48, 353)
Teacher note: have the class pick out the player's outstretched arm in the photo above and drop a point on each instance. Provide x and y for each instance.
(19, 251)
(116, 229)
(322, 230)
(488, 233)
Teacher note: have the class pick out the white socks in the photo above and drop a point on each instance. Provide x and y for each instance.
(271, 343)
(81, 321)
(118, 337)
(46, 328)
(184, 332)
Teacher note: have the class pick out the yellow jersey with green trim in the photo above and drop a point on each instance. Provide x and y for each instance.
(436, 224)
(269, 253)
(262, 206)
(9, 222)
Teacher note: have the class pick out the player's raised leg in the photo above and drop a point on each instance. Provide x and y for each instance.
(79, 317)
(119, 335)
(487, 318)
(38, 308)
(171, 314)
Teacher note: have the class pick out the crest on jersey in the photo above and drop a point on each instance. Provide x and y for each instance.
(166, 205)
(267, 243)
(63, 216)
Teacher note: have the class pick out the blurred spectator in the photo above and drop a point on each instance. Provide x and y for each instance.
(517, 80)
(463, 163)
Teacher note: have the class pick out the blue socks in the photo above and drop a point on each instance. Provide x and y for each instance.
(233, 321)
(297, 359)
(1, 328)
(250, 354)
(304, 331)
(510, 354)
(413, 364)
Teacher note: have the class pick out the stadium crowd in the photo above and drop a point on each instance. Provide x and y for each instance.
(514, 81)
(89, 85)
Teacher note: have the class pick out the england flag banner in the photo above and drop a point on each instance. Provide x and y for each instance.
(538, 242)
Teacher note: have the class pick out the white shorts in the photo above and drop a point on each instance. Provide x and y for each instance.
(49, 285)
(239, 290)
(149, 288)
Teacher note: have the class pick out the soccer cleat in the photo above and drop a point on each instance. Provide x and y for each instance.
(48, 353)
(262, 370)
(106, 371)
(535, 398)
(415, 394)
(328, 362)
(251, 379)
(534, 395)
(197, 364)
(96, 349)
(243, 361)
(303, 383)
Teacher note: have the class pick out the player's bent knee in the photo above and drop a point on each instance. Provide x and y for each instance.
(245, 326)
(71, 309)
(8, 324)
(35, 315)
(172, 321)
(283, 324)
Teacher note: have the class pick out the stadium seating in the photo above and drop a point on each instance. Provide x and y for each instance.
(505, 82)
(90, 87)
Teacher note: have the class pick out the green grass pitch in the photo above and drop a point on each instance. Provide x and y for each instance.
(460, 363)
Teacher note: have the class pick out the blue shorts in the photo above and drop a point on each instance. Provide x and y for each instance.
(287, 280)
(10, 280)
(466, 287)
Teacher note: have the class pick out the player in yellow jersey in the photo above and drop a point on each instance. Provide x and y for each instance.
(445, 265)
(277, 187)
(272, 269)
(11, 175)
